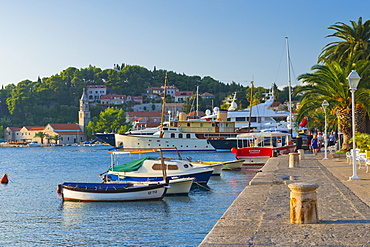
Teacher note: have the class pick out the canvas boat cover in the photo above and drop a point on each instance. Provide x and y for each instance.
(129, 166)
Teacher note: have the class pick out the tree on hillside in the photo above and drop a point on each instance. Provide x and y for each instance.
(112, 120)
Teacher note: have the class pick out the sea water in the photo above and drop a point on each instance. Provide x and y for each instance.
(33, 214)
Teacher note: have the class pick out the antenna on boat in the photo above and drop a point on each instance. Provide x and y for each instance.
(289, 87)
(163, 105)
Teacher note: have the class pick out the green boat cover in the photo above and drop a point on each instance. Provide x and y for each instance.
(130, 166)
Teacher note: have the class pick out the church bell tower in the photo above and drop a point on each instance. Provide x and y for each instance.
(84, 112)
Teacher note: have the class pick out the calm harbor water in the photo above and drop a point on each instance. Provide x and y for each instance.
(32, 214)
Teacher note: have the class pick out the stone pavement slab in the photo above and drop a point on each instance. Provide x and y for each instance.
(260, 214)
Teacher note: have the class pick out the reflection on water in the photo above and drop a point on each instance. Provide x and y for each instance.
(33, 214)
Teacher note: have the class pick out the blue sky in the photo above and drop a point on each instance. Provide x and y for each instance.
(230, 40)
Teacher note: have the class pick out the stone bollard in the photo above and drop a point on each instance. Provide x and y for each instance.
(293, 160)
(301, 154)
(303, 203)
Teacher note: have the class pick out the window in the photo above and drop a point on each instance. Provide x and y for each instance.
(180, 136)
(188, 136)
(172, 135)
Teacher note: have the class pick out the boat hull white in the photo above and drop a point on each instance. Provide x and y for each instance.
(257, 160)
(135, 193)
(233, 165)
(217, 167)
(140, 142)
(179, 186)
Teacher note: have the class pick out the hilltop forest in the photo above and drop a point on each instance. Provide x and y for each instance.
(55, 99)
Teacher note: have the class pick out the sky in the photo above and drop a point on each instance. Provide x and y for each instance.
(230, 40)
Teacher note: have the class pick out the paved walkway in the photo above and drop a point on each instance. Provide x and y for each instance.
(260, 215)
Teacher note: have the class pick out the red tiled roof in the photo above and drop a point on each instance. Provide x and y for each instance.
(70, 133)
(34, 128)
(111, 96)
(206, 94)
(65, 126)
(14, 128)
(184, 93)
(144, 114)
(96, 86)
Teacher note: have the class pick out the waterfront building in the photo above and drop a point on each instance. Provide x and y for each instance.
(68, 133)
(12, 134)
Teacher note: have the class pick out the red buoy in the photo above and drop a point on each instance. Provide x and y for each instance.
(4, 179)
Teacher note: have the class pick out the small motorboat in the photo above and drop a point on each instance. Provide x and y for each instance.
(111, 192)
(217, 167)
(150, 169)
(233, 164)
(34, 144)
(226, 165)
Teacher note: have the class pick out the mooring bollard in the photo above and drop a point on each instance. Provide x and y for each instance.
(293, 160)
(301, 154)
(303, 203)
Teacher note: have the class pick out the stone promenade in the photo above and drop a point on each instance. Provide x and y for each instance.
(260, 215)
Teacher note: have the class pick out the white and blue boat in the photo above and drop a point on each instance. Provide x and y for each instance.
(149, 169)
(111, 192)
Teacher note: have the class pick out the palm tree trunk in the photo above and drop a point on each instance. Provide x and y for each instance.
(360, 120)
(345, 124)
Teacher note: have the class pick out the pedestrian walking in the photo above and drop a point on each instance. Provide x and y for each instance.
(332, 139)
(314, 144)
(320, 140)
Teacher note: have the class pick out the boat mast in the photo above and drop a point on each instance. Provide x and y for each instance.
(289, 87)
(163, 106)
(197, 101)
(250, 108)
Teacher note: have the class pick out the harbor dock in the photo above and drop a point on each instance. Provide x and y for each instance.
(260, 216)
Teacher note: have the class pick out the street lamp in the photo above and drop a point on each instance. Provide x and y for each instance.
(353, 80)
(324, 105)
(338, 130)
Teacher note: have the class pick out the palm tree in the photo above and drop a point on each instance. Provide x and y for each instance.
(354, 44)
(328, 82)
(56, 138)
(42, 135)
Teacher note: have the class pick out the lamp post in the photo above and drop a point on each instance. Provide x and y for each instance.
(324, 105)
(353, 80)
(338, 130)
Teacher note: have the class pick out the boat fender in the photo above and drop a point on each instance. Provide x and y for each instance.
(59, 189)
(4, 179)
(233, 150)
